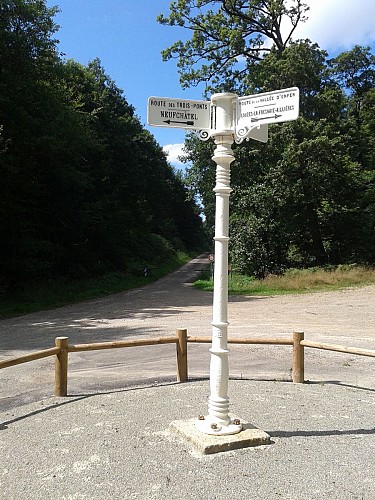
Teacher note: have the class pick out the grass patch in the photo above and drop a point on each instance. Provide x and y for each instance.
(61, 292)
(297, 281)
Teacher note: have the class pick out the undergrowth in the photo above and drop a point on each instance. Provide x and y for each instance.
(56, 293)
(296, 281)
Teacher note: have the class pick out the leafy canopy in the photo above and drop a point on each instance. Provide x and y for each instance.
(81, 180)
(228, 36)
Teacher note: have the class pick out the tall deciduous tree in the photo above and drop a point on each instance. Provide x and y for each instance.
(295, 198)
(84, 188)
(228, 36)
(354, 70)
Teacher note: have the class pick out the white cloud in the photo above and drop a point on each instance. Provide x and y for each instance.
(337, 25)
(173, 151)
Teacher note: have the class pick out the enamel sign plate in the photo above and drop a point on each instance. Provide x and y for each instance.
(180, 113)
(270, 107)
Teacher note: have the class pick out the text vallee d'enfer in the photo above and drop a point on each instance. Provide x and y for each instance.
(266, 105)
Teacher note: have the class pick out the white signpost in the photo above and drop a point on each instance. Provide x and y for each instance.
(271, 107)
(226, 118)
(263, 109)
(180, 113)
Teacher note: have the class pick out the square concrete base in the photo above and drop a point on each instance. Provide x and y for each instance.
(207, 444)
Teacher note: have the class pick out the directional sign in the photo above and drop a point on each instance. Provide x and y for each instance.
(180, 113)
(270, 107)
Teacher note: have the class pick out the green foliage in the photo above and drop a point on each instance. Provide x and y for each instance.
(304, 201)
(62, 291)
(85, 190)
(227, 37)
(297, 281)
(307, 196)
(355, 70)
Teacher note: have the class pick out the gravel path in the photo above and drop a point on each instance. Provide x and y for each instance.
(111, 439)
(344, 317)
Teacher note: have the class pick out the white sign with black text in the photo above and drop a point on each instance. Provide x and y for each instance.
(180, 113)
(270, 107)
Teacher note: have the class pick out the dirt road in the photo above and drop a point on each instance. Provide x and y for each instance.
(345, 317)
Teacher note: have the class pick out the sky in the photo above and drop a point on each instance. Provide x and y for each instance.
(126, 37)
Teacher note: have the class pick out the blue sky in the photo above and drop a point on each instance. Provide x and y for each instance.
(124, 34)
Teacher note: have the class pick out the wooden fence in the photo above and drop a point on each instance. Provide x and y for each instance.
(181, 339)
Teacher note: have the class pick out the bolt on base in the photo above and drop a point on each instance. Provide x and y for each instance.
(207, 426)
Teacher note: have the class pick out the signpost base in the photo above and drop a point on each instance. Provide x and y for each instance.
(206, 443)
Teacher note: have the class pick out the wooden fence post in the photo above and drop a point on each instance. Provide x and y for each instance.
(61, 367)
(298, 370)
(181, 346)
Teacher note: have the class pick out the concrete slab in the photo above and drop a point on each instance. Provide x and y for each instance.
(118, 445)
(209, 444)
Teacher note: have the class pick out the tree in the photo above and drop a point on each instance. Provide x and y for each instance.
(228, 37)
(295, 197)
(26, 33)
(310, 163)
(84, 188)
(354, 70)
(200, 176)
(37, 128)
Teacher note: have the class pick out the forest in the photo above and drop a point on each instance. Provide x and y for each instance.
(84, 189)
(305, 198)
